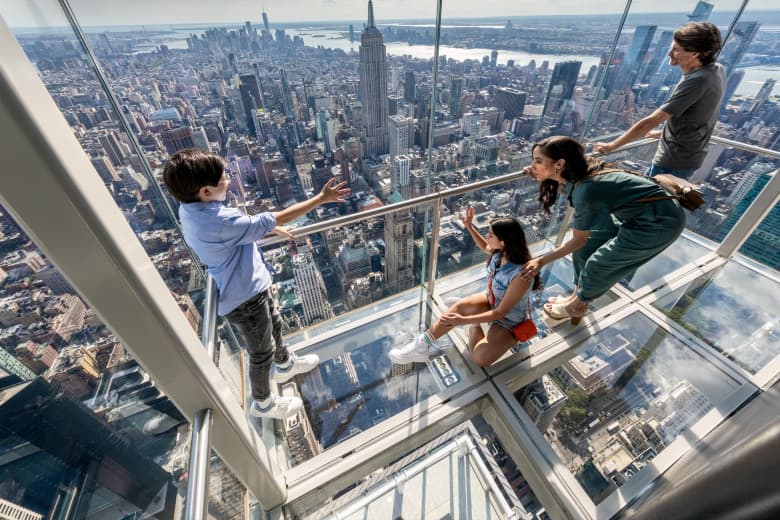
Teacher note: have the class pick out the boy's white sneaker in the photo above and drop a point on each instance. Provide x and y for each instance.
(297, 365)
(280, 407)
(417, 351)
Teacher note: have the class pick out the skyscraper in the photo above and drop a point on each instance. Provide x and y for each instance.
(734, 48)
(287, 104)
(265, 21)
(511, 101)
(701, 12)
(643, 35)
(399, 251)
(561, 88)
(401, 165)
(456, 91)
(762, 96)
(373, 88)
(322, 129)
(409, 86)
(662, 47)
(401, 134)
(311, 288)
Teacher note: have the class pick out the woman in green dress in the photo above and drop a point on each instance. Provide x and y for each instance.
(643, 227)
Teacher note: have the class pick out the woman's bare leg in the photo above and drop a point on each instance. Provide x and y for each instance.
(467, 306)
(491, 347)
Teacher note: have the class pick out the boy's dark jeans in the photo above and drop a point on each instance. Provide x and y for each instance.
(259, 323)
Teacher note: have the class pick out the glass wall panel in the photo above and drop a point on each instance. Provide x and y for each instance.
(639, 78)
(716, 309)
(466, 473)
(125, 163)
(751, 109)
(763, 245)
(627, 394)
(84, 431)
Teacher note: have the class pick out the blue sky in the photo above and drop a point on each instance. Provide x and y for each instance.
(139, 12)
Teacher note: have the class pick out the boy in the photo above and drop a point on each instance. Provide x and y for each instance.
(225, 240)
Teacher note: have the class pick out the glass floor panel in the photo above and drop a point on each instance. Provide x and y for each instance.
(628, 393)
(715, 308)
(464, 474)
(683, 251)
(356, 386)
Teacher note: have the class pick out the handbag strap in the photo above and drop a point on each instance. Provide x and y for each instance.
(638, 174)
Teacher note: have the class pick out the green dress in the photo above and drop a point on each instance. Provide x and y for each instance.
(641, 230)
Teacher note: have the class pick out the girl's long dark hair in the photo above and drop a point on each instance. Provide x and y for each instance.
(577, 165)
(509, 231)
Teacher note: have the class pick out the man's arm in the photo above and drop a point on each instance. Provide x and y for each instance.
(329, 193)
(639, 130)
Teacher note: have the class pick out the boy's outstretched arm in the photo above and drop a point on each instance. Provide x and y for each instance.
(331, 192)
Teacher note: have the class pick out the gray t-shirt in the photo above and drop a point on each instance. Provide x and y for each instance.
(694, 109)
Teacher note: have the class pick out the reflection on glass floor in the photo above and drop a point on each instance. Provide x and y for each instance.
(734, 310)
(463, 474)
(356, 386)
(682, 252)
(625, 396)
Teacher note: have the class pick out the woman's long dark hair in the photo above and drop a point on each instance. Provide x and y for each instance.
(509, 231)
(577, 166)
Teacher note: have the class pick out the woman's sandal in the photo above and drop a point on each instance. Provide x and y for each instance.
(558, 311)
(558, 299)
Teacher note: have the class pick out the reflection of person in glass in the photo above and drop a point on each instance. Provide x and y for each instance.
(503, 305)
(647, 220)
(691, 112)
(224, 238)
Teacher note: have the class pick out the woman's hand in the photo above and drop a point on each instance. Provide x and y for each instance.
(451, 319)
(467, 217)
(331, 193)
(603, 147)
(531, 268)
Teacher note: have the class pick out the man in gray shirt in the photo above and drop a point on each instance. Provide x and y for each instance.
(691, 112)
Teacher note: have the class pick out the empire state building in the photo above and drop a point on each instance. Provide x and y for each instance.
(373, 88)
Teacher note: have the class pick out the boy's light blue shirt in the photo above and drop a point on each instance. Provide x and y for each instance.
(224, 239)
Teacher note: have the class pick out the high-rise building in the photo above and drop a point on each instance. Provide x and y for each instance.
(373, 88)
(251, 98)
(735, 47)
(511, 101)
(409, 86)
(701, 12)
(643, 35)
(561, 88)
(311, 288)
(456, 91)
(401, 134)
(265, 21)
(322, 129)
(399, 251)
(493, 58)
(401, 166)
(762, 96)
(662, 47)
(176, 139)
(287, 103)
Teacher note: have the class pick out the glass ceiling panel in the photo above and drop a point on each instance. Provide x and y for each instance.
(715, 308)
(625, 396)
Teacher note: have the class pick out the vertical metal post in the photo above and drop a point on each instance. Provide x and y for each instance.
(208, 332)
(200, 453)
(433, 254)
